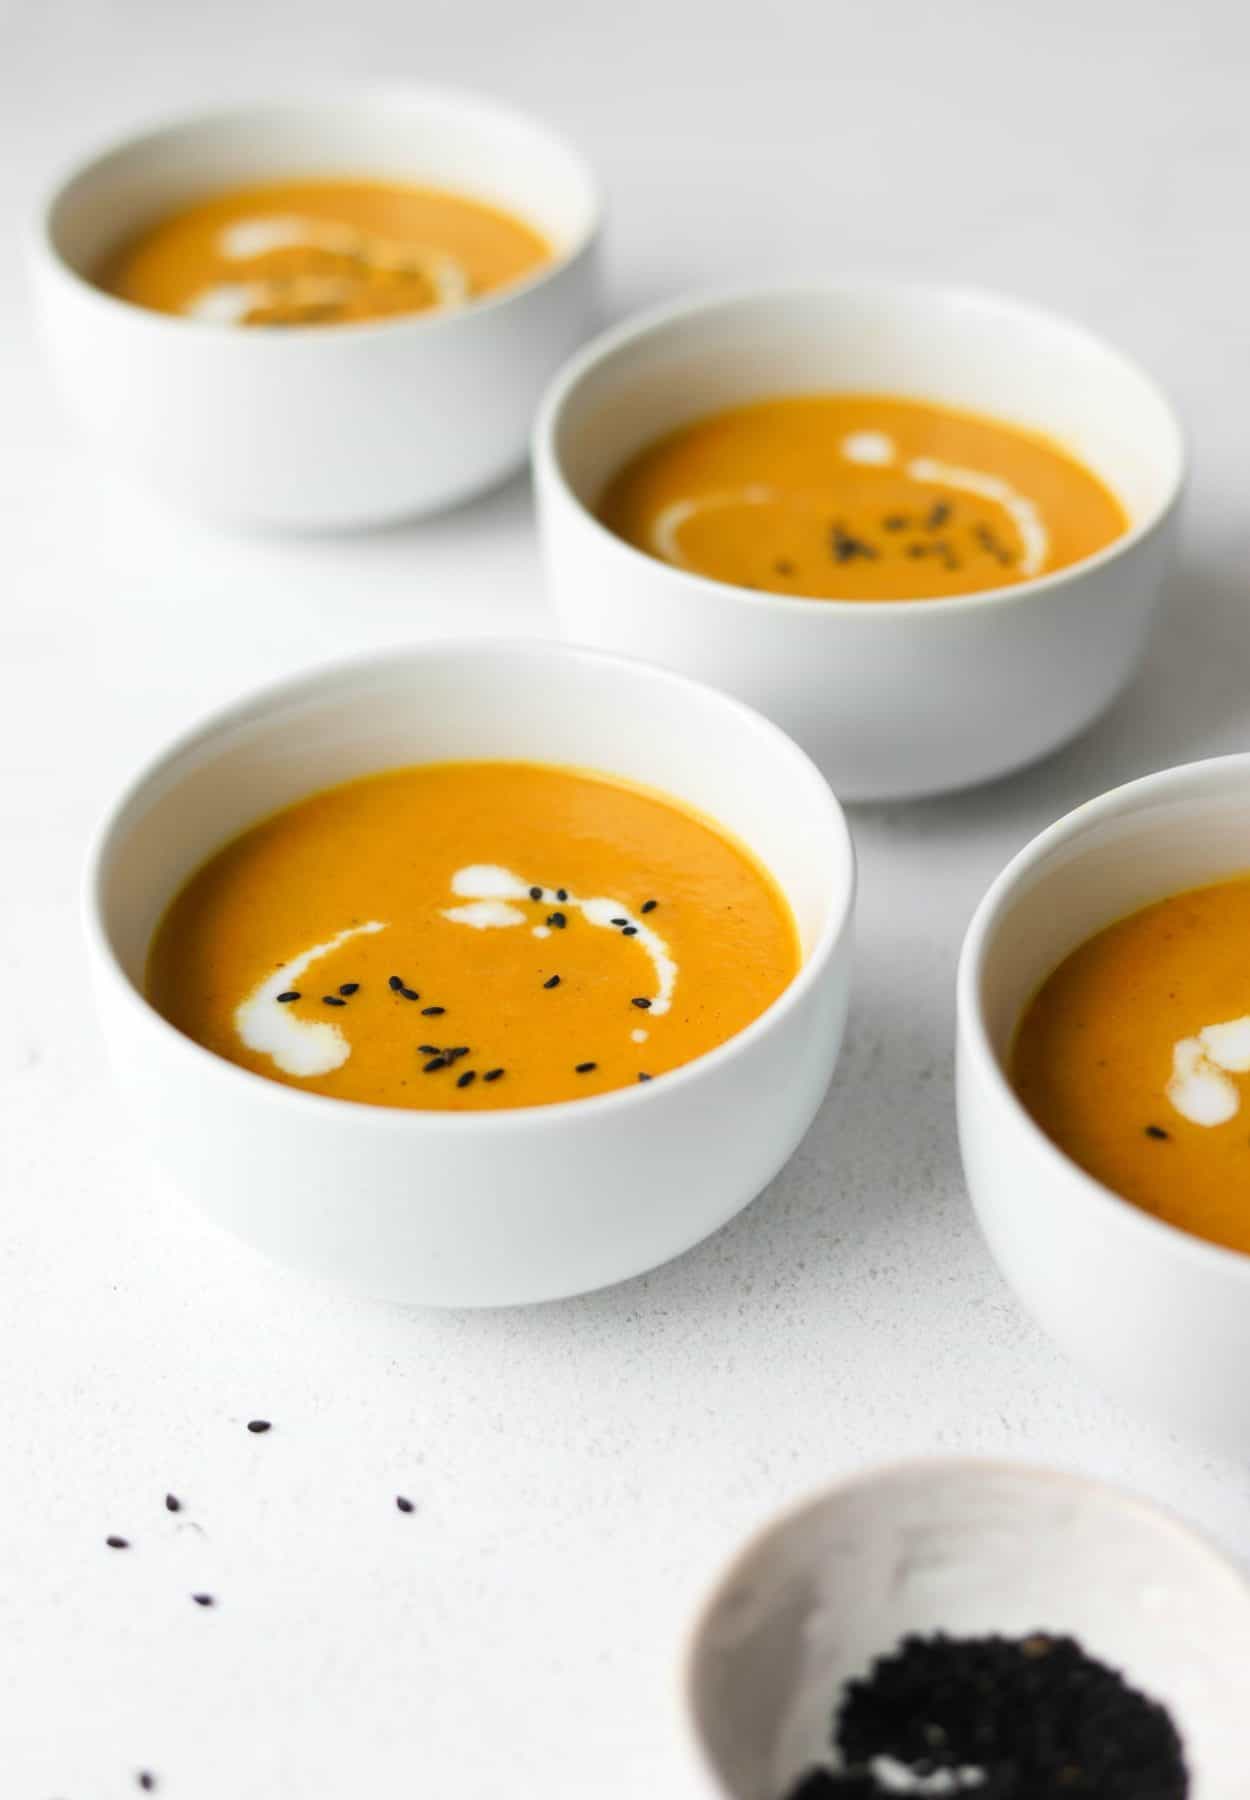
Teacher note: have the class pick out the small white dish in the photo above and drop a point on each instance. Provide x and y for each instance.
(318, 426)
(1159, 1317)
(970, 1548)
(896, 698)
(460, 1209)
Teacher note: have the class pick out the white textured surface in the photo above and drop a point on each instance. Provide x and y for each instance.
(579, 1469)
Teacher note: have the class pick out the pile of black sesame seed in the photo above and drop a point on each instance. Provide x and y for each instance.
(1036, 1717)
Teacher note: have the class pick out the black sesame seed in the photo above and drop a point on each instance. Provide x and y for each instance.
(437, 1062)
(895, 522)
(117, 1543)
(630, 931)
(404, 1504)
(1156, 1131)
(648, 906)
(642, 1001)
(408, 993)
(431, 1012)
(395, 983)
(585, 1068)
(553, 982)
(349, 987)
(291, 994)
(536, 893)
(332, 1000)
(146, 1780)
(643, 1076)
(467, 1079)
(492, 1075)
(917, 549)
(203, 1599)
(558, 920)
(259, 1425)
(430, 1049)
(938, 515)
(783, 567)
(172, 1503)
(456, 1052)
(562, 893)
(618, 921)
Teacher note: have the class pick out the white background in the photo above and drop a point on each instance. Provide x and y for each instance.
(578, 1469)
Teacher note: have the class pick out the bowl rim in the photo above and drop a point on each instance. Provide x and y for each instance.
(973, 1039)
(639, 326)
(476, 108)
(918, 1469)
(257, 702)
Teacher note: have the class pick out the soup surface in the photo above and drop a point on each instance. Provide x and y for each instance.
(1135, 1058)
(860, 497)
(472, 935)
(322, 253)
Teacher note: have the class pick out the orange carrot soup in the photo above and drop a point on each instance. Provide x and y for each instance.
(323, 253)
(860, 497)
(470, 936)
(1135, 1058)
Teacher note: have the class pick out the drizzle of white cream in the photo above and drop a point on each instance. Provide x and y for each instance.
(1023, 513)
(1199, 1088)
(230, 302)
(487, 882)
(298, 1046)
(670, 519)
(871, 447)
(483, 914)
(894, 1777)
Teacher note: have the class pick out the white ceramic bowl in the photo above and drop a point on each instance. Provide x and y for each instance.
(1160, 1317)
(454, 1208)
(318, 426)
(894, 699)
(970, 1548)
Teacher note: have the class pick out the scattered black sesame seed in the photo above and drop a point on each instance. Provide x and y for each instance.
(146, 1780)
(558, 920)
(553, 981)
(203, 1599)
(430, 1049)
(349, 987)
(630, 931)
(562, 893)
(895, 522)
(259, 1425)
(332, 1000)
(492, 1075)
(1156, 1131)
(456, 1052)
(643, 1076)
(641, 1001)
(536, 893)
(783, 566)
(404, 1504)
(408, 993)
(648, 906)
(939, 513)
(117, 1543)
(436, 1062)
(431, 1012)
(467, 1079)
(395, 983)
(618, 921)
(917, 549)
(585, 1068)
(291, 994)
(846, 548)
(172, 1503)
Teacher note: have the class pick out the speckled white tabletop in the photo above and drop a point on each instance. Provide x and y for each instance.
(578, 1469)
